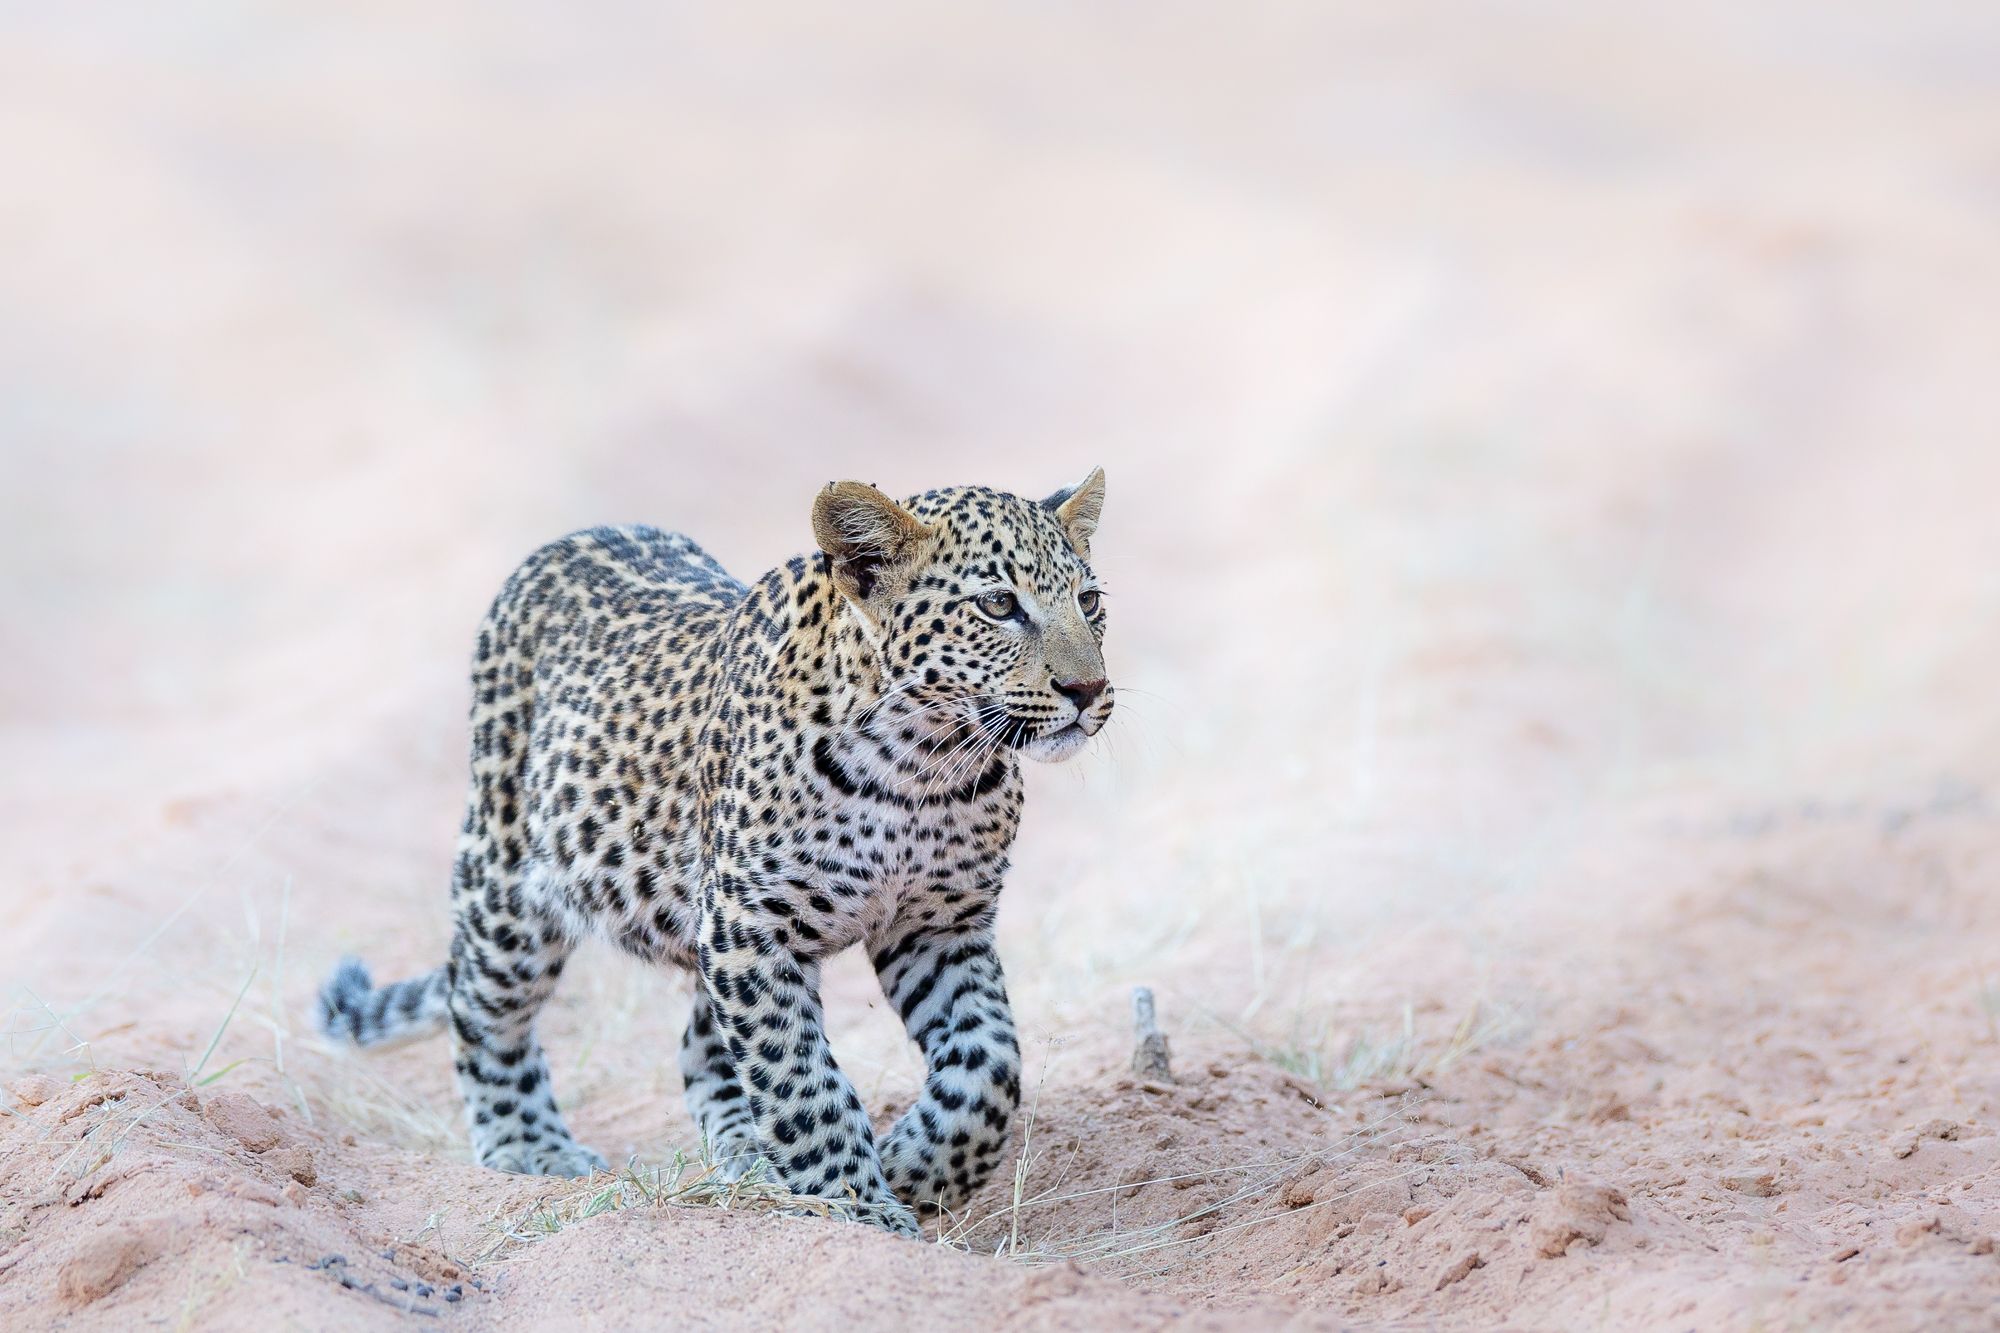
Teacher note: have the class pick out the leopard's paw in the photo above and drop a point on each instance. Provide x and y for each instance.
(888, 1213)
(555, 1157)
(737, 1156)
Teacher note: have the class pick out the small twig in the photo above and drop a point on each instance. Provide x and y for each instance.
(1150, 1058)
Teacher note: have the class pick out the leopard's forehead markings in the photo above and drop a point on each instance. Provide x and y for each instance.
(993, 536)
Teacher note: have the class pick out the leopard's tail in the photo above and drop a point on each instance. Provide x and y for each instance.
(353, 1008)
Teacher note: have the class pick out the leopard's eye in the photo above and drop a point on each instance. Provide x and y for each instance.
(1001, 605)
(1088, 599)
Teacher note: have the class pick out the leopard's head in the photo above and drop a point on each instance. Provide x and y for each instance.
(980, 606)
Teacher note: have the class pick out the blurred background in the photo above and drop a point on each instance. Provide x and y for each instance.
(1523, 423)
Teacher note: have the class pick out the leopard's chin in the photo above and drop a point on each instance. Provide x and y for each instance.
(1057, 746)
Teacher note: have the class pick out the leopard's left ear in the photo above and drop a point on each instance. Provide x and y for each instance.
(868, 537)
(1077, 508)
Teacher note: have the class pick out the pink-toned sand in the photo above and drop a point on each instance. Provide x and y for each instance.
(1555, 560)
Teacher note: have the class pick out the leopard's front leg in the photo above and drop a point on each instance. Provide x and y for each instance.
(948, 986)
(810, 1122)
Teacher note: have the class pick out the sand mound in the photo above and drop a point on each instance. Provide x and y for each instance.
(131, 1194)
(157, 1197)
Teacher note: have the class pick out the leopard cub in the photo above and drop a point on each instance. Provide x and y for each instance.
(742, 780)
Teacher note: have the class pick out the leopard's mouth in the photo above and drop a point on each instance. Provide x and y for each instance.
(1055, 746)
(1018, 732)
(1035, 738)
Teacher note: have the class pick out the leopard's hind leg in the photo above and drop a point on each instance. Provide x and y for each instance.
(506, 957)
(714, 1097)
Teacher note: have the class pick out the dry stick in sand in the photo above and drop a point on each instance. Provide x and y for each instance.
(1150, 1058)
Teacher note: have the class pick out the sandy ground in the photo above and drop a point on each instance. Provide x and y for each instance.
(1553, 538)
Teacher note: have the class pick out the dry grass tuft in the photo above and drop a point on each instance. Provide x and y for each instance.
(683, 1182)
(1406, 1055)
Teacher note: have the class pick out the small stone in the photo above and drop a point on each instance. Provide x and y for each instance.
(1914, 1230)
(34, 1090)
(1607, 1107)
(295, 1161)
(244, 1119)
(1904, 1144)
(1464, 1264)
(1579, 1210)
(1757, 1184)
(254, 1191)
(1302, 1191)
(103, 1263)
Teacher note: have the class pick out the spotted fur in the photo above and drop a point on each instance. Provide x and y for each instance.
(743, 780)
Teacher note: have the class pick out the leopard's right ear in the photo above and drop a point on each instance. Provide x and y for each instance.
(1078, 508)
(866, 536)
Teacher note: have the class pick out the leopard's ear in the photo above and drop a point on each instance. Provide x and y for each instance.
(1077, 508)
(866, 536)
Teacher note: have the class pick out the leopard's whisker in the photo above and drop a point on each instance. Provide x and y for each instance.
(948, 726)
(895, 690)
(985, 740)
(974, 718)
(975, 755)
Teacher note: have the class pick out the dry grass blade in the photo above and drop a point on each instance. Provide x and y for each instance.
(1026, 1158)
(1407, 1056)
(683, 1182)
(194, 1075)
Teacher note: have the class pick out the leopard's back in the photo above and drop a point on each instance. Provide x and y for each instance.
(593, 672)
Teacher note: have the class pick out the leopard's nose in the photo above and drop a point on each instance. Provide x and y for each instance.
(1081, 692)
